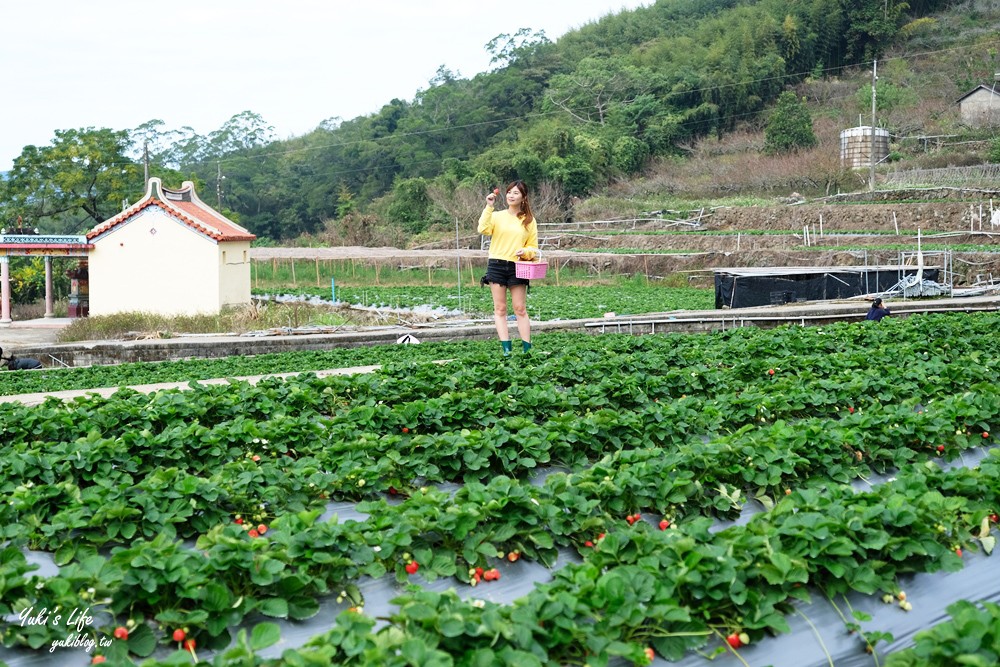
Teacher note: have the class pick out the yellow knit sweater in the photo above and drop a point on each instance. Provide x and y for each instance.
(509, 234)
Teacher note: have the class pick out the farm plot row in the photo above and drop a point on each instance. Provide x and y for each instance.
(546, 300)
(683, 428)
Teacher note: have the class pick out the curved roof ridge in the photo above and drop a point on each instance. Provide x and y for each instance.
(186, 206)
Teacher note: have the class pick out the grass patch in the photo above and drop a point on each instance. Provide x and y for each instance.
(235, 320)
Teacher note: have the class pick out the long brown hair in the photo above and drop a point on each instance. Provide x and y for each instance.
(525, 216)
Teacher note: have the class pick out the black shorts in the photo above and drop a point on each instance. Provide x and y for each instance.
(502, 272)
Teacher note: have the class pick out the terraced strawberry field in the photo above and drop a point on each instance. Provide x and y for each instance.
(196, 516)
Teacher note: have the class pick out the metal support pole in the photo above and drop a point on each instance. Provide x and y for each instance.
(871, 147)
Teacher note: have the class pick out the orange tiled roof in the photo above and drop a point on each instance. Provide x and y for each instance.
(184, 205)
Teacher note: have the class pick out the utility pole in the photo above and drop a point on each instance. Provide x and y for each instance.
(218, 184)
(871, 147)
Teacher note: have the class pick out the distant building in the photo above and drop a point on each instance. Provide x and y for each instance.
(980, 106)
(169, 254)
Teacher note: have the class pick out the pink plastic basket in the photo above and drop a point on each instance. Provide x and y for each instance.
(530, 270)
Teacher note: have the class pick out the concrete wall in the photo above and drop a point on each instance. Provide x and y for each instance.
(981, 108)
(234, 273)
(156, 263)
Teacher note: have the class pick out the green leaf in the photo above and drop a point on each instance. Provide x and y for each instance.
(274, 607)
(264, 635)
(141, 640)
(65, 553)
(301, 608)
(452, 625)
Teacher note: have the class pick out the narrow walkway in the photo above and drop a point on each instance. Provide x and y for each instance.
(70, 394)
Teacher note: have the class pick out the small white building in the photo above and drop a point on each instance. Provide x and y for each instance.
(980, 106)
(169, 254)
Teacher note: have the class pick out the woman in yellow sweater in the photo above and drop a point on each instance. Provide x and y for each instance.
(515, 237)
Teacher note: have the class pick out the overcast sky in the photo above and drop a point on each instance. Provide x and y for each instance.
(118, 63)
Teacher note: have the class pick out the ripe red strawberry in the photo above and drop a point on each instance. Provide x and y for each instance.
(479, 571)
(664, 524)
(261, 529)
(496, 191)
(851, 410)
(650, 654)
(770, 371)
(496, 573)
(940, 448)
(600, 536)
(986, 434)
(588, 543)
(513, 556)
(97, 659)
(958, 552)
(121, 632)
(412, 567)
(256, 458)
(253, 533)
(734, 640)
(995, 518)
(179, 635)
(406, 429)
(189, 645)
(239, 521)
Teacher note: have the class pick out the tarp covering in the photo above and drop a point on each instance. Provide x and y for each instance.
(744, 288)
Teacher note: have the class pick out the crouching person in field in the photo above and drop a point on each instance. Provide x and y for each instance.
(19, 363)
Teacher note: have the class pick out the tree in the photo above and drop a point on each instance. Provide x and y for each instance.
(84, 172)
(597, 85)
(241, 132)
(789, 127)
(506, 50)
(872, 25)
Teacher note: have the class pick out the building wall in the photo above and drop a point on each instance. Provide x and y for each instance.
(234, 273)
(981, 108)
(155, 263)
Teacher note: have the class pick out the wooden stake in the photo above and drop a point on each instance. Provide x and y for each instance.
(294, 282)
(317, 272)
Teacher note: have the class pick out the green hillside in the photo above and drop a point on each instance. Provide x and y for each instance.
(637, 111)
